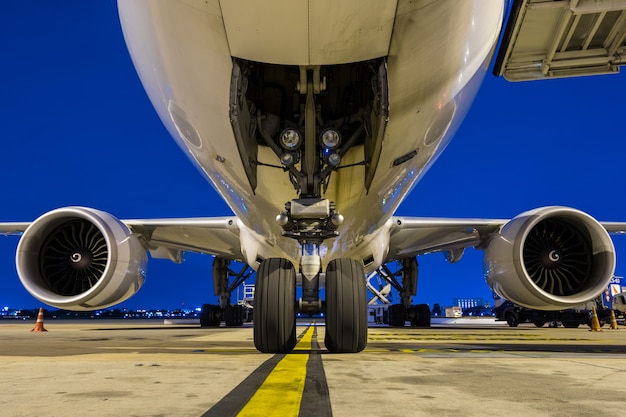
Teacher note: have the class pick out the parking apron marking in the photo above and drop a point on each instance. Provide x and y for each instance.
(278, 386)
(281, 393)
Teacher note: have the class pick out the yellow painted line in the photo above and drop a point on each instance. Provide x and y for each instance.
(281, 393)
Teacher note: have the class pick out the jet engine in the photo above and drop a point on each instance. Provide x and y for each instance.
(79, 258)
(550, 258)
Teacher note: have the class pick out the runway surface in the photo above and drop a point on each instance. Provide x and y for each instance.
(138, 368)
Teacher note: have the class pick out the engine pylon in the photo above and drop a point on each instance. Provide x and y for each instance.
(39, 325)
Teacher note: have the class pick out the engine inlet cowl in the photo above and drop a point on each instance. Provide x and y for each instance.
(79, 258)
(550, 258)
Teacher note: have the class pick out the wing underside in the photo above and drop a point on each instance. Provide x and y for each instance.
(219, 236)
(169, 238)
(412, 236)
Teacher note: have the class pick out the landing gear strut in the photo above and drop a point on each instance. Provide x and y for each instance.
(311, 148)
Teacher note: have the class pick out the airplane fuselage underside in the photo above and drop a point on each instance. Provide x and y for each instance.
(393, 80)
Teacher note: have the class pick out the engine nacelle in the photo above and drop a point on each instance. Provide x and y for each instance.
(550, 258)
(78, 258)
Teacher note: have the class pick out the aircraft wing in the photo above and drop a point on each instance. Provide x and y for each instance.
(553, 39)
(412, 236)
(618, 228)
(14, 228)
(169, 238)
(219, 236)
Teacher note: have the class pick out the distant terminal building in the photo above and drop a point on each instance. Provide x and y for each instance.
(466, 303)
(474, 306)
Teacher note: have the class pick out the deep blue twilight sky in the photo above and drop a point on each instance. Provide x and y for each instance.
(77, 129)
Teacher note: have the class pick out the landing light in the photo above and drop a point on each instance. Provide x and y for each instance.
(287, 159)
(330, 138)
(290, 139)
(334, 159)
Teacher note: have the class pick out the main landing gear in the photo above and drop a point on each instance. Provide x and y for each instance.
(231, 314)
(404, 280)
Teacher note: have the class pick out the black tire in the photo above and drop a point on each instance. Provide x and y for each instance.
(539, 323)
(275, 306)
(423, 315)
(397, 315)
(233, 315)
(511, 319)
(346, 306)
(210, 315)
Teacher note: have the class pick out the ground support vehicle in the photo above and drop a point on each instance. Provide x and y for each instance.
(570, 318)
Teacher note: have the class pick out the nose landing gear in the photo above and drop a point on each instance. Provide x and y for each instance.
(274, 306)
(346, 306)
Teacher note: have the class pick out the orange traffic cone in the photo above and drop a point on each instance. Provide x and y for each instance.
(39, 325)
(614, 325)
(595, 324)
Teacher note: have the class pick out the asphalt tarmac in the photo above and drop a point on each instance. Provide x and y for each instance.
(138, 368)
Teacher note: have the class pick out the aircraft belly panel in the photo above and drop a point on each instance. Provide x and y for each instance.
(189, 87)
(432, 82)
(315, 33)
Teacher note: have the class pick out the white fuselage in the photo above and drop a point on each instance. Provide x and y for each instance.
(437, 53)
